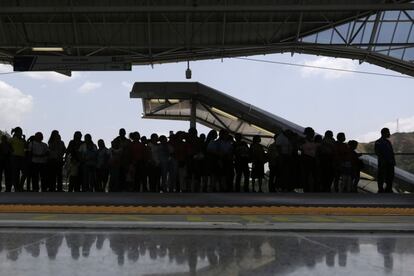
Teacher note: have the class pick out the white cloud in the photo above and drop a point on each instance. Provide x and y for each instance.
(51, 76)
(337, 63)
(13, 105)
(126, 84)
(5, 68)
(89, 86)
(404, 125)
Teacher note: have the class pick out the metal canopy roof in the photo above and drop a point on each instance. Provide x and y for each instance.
(214, 109)
(146, 32)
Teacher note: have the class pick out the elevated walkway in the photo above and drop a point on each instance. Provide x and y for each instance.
(196, 102)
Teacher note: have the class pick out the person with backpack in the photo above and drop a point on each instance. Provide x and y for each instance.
(39, 152)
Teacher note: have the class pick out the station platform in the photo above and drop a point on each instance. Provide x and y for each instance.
(209, 204)
(301, 223)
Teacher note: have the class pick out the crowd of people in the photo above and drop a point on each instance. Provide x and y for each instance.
(188, 162)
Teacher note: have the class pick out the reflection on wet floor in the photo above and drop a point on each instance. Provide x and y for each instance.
(35, 252)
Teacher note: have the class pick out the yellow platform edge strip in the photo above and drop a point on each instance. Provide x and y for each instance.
(245, 210)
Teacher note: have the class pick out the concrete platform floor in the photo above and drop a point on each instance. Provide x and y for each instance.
(63, 252)
(226, 222)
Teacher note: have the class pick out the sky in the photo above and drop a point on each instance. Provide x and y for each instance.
(98, 102)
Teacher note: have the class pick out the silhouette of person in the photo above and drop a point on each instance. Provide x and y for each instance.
(343, 158)
(39, 152)
(241, 163)
(57, 150)
(308, 149)
(124, 144)
(154, 163)
(73, 159)
(164, 152)
(88, 153)
(102, 166)
(17, 158)
(325, 160)
(357, 165)
(5, 155)
(286, 165)
(258, 158)
(211, 161)
(224, 154)
(386, 162)
(138, 157)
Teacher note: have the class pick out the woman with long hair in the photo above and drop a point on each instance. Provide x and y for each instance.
(55, 162)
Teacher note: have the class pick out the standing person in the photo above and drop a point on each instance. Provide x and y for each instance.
(386, 161)
(17, 158)
(325, 159)
(154, 164)
(102, 166)
(138, 152)
(73, 158)
(114, 166)
(5, 155)
(89, 153)
(285, 164)
(343, 158)
(180, 154)
(273, 156)
(27, 167)
(145, 175)
(258, 157)
(165, 152)
(357, 165)
(224, 153)
(202, 163)
(211, 161)
(55, 163)
(172, 165)
(194, 159)
(124, 144)
(39, 152)
(241, 163)
(308, 150)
